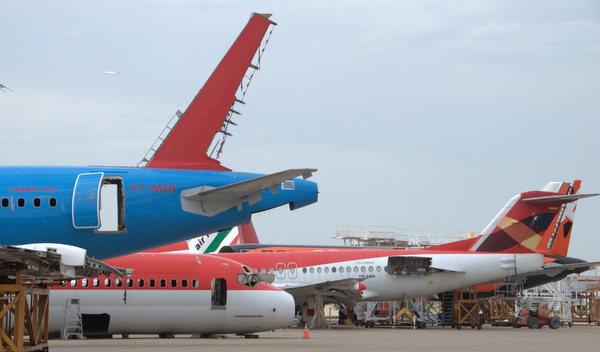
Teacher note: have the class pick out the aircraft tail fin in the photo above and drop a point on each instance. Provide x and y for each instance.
(247, 234)
(536, 221)
(185, 145)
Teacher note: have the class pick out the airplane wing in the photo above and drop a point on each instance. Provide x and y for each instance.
(209, 201)
(36, 265)
(345, 291)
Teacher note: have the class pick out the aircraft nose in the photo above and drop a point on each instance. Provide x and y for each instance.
(281, 310)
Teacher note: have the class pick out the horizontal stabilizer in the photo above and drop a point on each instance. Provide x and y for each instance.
(210, 201)
(560, 199)
(571, 266)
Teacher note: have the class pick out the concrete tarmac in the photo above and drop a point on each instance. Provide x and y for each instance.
(350, 338)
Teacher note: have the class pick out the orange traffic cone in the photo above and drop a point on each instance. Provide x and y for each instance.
(305, 336)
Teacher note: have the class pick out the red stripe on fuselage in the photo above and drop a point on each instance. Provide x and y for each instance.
(146, 266)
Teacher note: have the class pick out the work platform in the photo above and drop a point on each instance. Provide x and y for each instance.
(389, 236)
(24, 308)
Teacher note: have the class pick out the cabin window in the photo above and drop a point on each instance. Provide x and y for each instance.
(21, 202)
(173, 283)
(218, 293)
(341, 269)
(304, 270)
(73, 283)
(184, 283)
(5, 202)
(84, 283)
(107, 282)
(319, 270)
(52, 202)
(195, 283)
(141, 283)
(118, 282)
(355, 269)
(96, 283)
(163, 283)
(371, 269)
(312, 270)
(363, 269)
(63, 284)
(129, 282)
(151, 283)
(348, 269)
(378, 269)
(37, 202)
(333, 269)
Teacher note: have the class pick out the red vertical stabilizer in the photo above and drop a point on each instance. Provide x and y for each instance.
(186, 145)
(247, 234)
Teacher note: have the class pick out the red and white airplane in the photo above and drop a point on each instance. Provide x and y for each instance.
(529, 225)
(174, 294)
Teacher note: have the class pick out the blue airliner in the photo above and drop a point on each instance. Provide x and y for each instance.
(115, 211)
(180, 193)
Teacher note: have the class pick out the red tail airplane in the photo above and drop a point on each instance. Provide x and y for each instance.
(531, 222)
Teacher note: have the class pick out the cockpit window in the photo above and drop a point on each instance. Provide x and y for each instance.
(249, 279)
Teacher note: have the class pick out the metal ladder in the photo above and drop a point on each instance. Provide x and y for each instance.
(73, 324)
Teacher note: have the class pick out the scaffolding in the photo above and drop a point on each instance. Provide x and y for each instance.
(389, 236)
(586, 297)
(24, 307)
(558, 296)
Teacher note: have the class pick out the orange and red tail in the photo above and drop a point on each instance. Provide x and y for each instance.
(537, 221)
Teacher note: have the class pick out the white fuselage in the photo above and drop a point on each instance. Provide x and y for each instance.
(177, 311)
(456, 271)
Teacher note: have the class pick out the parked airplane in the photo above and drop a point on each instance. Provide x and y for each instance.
(106, 212)
(348, 276)
(522, 225)
(174, 294)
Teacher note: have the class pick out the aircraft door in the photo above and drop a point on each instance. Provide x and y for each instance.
(218, 293)
(86, 201)
(112, 205)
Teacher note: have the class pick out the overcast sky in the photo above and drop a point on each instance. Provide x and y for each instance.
(422, 115)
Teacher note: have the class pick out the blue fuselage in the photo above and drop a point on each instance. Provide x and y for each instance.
(142, 207)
